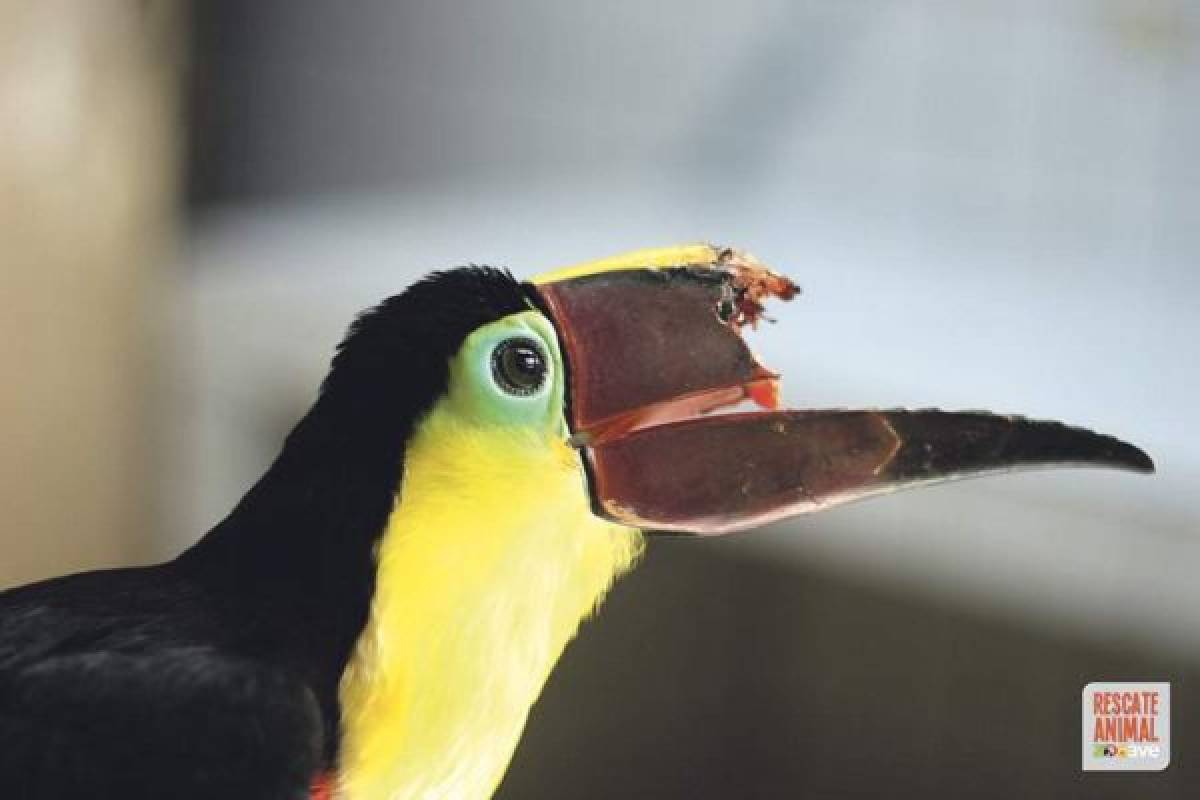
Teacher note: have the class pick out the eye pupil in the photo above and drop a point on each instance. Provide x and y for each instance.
(519, 366)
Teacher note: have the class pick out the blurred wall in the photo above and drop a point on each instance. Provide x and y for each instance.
(713, 672)
(87, 186)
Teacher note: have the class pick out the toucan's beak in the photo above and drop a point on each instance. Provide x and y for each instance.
(653, 351)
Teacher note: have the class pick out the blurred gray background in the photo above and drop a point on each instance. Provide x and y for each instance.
(989, 205)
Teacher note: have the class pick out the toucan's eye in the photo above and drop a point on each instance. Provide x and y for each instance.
(518, 366)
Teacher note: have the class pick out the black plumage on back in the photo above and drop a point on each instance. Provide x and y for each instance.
(216, 674)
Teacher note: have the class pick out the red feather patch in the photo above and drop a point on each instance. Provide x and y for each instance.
(322, 787)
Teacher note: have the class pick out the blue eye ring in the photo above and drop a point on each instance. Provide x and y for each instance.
(519, 366)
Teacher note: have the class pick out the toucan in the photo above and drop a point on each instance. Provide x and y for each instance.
(377, 615)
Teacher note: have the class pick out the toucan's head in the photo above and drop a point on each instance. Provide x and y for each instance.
(636, 363)
(533, 429)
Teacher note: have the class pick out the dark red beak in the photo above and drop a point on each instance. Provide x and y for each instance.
(652, 353)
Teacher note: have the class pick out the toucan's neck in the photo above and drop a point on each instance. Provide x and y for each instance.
(320, 506)
(293, 564)
(489, 562)
(328, 492)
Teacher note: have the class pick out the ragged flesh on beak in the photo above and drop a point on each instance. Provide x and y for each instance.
(654, 352)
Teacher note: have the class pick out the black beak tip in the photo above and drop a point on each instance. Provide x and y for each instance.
(1087, 447)
(1132, 458)
(1104, 450)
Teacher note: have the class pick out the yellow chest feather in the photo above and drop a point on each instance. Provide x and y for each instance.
(490, 560)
